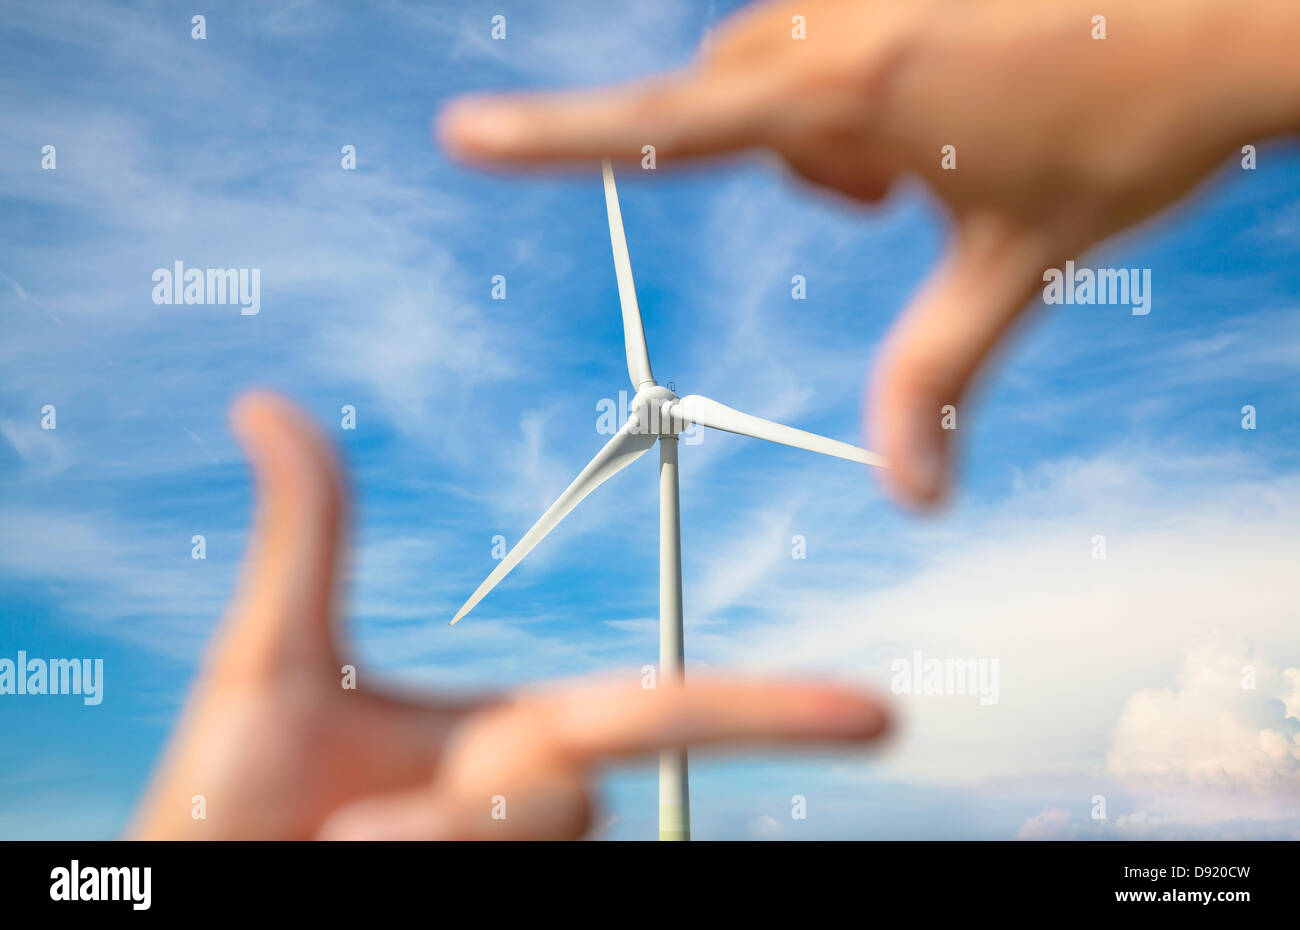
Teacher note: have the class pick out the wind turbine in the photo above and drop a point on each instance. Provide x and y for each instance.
(657, 415)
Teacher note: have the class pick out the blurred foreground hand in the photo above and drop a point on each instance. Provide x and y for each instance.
(276, 748)
(1059, 138)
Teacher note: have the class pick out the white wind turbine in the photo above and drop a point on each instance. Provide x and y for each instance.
(657, 415)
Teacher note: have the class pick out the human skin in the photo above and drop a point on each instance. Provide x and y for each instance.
(277, 748)
(1061, 140)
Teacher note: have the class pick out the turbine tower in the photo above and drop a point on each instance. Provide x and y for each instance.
(657, 415)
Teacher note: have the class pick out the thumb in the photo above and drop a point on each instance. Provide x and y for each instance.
(283, 612)
(551, 804)
(991, 269)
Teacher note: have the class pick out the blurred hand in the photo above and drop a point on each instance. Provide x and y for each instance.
(277, 748)
(1060, 140)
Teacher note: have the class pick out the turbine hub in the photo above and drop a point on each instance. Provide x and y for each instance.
(650, 410)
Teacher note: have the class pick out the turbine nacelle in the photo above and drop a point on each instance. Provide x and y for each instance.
(655, 412)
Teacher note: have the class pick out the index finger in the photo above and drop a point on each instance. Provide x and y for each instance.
(684, 115)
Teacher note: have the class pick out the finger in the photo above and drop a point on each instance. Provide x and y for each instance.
(519, 771)
(283, 611)
(582, 726)
(690, 114)
(592, 724)
(934, 351)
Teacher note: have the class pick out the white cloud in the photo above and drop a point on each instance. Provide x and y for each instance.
(1052, 823)
(1194, 546)
(44, 452)
(1212, 730)
(132, 582)
(1212, 751)
(419, 356)
(635, 39)
(742, 557)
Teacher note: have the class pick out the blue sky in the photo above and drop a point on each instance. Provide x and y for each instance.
(1118, 677)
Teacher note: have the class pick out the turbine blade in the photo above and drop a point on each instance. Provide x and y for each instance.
(627, 445)
(696, 409)
(638, 360)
